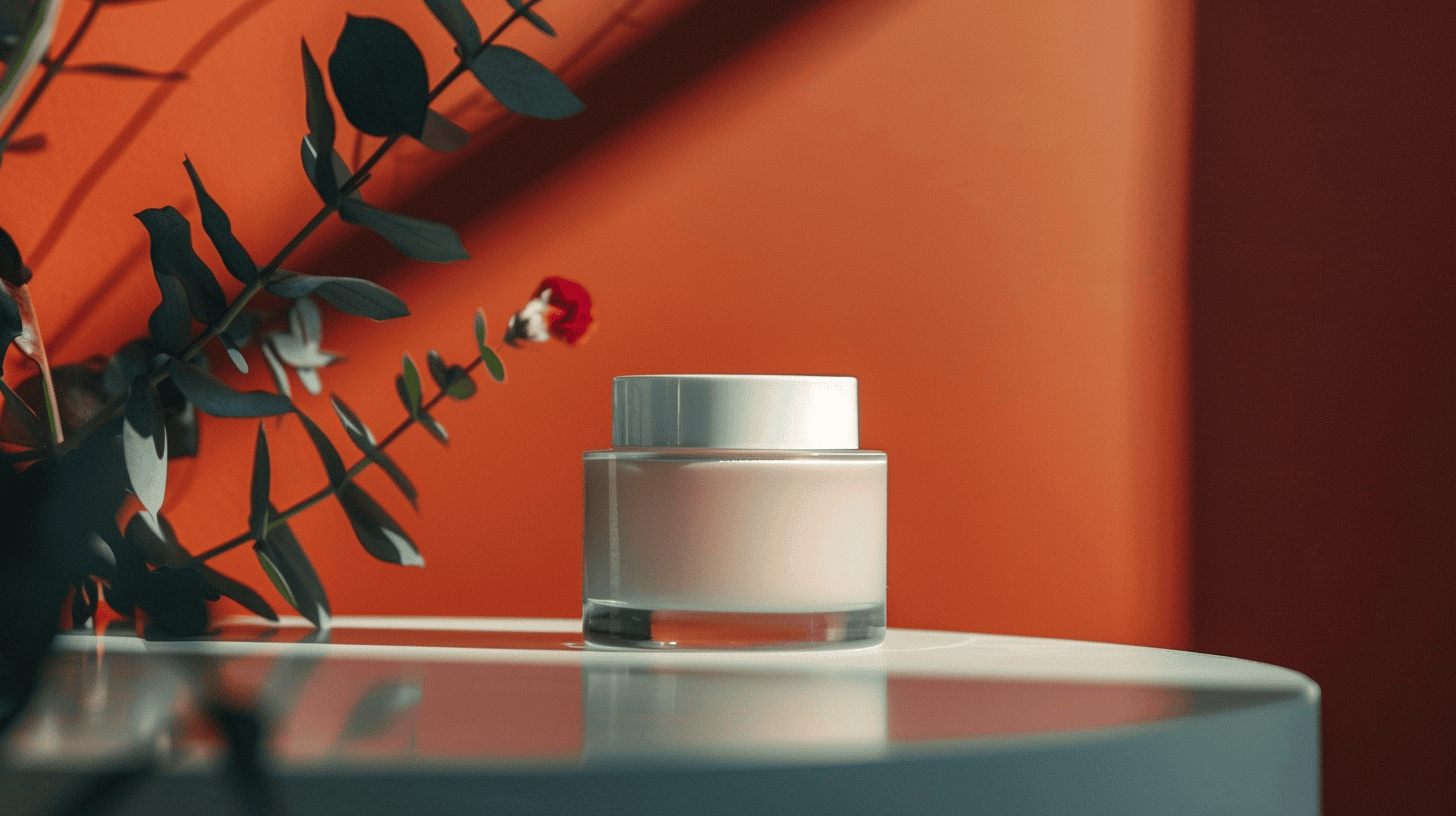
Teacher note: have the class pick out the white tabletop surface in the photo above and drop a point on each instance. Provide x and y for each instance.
(452, 715)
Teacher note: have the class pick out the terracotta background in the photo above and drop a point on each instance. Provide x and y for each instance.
(1157, 358)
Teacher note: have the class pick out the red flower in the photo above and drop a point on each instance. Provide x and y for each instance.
(559, 308)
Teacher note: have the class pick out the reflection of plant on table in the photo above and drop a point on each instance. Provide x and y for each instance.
(86, 446)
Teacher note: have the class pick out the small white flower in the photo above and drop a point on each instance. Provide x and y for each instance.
(530, 323)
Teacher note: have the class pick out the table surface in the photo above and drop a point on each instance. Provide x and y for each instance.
(431, 715)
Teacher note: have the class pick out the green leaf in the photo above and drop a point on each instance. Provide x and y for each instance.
(172, 254)
(487, 355)
(320, 117)
(144, 444)
(439, 372)
(258, 502)
(11, 324)
(534, 18)
(434, 427)
(381, 536)
(232, 588)
(453, 15)
(276, 576)
(328, 454)
(12, 266)
(442, 134)
(453, 380)
(341, 172)
(363, 438)
(170, 324)
(417, 238)
(219, 228)
(213, 396)
(276, 370)
(353, 295)
(379, 78)
(409, 387)
(288, 567)
(164, 551)
(524, 85)
(234, 353)
(461, 385)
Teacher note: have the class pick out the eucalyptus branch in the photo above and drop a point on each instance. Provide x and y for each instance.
(53, 67)
(159, 372)
(329, 490)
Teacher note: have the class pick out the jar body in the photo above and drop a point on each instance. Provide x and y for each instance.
(734, 547)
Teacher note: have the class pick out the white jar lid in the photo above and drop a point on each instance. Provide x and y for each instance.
(742, 411)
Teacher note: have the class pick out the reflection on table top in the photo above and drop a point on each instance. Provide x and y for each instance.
(426, 695)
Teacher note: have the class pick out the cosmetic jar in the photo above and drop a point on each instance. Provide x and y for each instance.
(734, 512)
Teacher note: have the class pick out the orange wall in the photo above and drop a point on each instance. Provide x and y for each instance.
(977, 209)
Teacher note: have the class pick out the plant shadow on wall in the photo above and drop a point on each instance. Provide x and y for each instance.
(86, 446)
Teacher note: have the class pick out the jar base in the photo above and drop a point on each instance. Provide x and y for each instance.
(609, 624)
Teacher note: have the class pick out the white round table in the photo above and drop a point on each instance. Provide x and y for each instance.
(515, 716)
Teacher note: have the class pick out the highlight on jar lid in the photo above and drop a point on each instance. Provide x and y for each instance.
(735, 411)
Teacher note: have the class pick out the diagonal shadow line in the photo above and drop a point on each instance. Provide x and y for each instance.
(112, 154)
(650, 75)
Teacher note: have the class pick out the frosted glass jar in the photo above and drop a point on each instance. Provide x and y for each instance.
(750, 519)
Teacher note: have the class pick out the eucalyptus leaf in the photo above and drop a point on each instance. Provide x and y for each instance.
(363, 438)
(320, 117)
(434, 427)
(172, 254)
(309, 379)
(417, 238)
(381, 536)
(234, 353)
(170, 324)
(487, 354)
(290, 570)
(328, 454)
(380, 707)
(461, 385)
(439, 372)
(144, 445)
(159, 546)
(442, 134)
(341, 171)
(411, 391)
(353, 426)
(275, 575)
(355, 296)
(379, 78)
(534, 18)
(219, 229)
(305, 321)
(524, 85)
(452, 379)
(213, 396)
(11, 323)
(456, 19)
(276, 370)
(12, 265)
(258, 501)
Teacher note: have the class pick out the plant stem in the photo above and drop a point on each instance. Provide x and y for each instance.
(52, 68)
(114, 408)
(328, 490)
